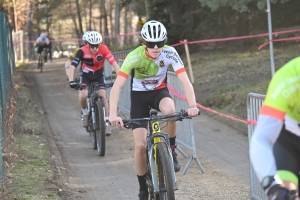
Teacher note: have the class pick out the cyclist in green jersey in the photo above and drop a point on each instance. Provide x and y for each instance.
(274, 145)
(148, 65)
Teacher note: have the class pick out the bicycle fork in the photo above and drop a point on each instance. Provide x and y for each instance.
(152, 161)
(91, 108)
(91, 105)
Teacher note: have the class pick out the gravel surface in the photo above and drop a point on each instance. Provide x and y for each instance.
(113, 176)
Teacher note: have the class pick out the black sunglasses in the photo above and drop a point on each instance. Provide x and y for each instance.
(92, 46)
(152, 44)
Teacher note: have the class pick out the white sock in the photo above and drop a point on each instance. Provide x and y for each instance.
(85, 111)
(106, 121)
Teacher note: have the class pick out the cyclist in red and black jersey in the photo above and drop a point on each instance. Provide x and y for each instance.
(70, 59)
(92, 57)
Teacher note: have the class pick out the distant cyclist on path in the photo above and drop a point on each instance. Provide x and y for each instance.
(42, 42)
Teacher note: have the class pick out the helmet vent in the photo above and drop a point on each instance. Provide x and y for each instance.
(149, 31)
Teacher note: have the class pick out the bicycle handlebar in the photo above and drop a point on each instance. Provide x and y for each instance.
(178, 116)
(93, 84)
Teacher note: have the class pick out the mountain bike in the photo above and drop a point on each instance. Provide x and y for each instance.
(96, 118)
(160, 177)
(41, 60)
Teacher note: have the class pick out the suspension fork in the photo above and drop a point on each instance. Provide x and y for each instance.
(152, 141)
(92, 100)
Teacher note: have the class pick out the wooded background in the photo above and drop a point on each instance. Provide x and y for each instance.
(184, 19)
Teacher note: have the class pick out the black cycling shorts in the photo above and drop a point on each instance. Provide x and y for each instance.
(88, 78)
(286, 152)
(143, 101)
(40, 49)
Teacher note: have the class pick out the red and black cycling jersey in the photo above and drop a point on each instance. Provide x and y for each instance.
(92, 62)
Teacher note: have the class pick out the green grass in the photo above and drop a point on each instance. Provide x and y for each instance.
(224, 79)
(30, 171)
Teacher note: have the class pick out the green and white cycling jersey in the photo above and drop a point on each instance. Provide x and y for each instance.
(278, 122)
(282, 99)
(149, 73)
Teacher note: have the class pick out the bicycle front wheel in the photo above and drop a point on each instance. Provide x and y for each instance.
(92, 132)
(100, 128)
(41, 62)
(164, 176)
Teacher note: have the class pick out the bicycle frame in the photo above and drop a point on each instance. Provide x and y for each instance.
(156, 136)
(92, 98)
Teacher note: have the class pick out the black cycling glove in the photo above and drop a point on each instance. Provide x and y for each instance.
(277, 192)
(72, 84)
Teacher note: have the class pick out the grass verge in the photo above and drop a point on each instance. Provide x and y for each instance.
(224, 79)
(30, 172)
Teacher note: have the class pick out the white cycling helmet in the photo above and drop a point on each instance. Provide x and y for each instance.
(84, 36)
(43, 35)
(93, 37)
(153, 31)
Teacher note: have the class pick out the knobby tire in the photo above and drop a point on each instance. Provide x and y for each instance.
(92, 132)
(100, 128)
(40, 63)
(165, 179)
(149, 183)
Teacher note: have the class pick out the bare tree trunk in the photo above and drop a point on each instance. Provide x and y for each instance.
(15, 16)
(100, 17)
(126, 24)
(73, 17)
(30, 49)
(147, 6)
(105, 22)
(175, 14)
(117, 22)
(130, 28)
(79, 19)
(84, 17)
(90, 17)
(110, 17)
(47, 20)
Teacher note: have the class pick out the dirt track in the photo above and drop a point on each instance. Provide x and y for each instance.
(221, 150)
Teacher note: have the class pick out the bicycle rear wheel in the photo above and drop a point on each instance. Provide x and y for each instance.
(100, 128)
(165, 179)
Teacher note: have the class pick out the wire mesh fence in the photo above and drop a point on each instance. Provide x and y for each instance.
(7, 67)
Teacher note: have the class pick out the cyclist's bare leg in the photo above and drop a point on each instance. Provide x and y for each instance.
(167, 106)
(38, 57)
(67, 67)
(140, 146)
(105, 101)
(45, 54)
(83, 98)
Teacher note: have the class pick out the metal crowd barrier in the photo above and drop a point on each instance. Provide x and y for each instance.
(185, 131)
(254, 103)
